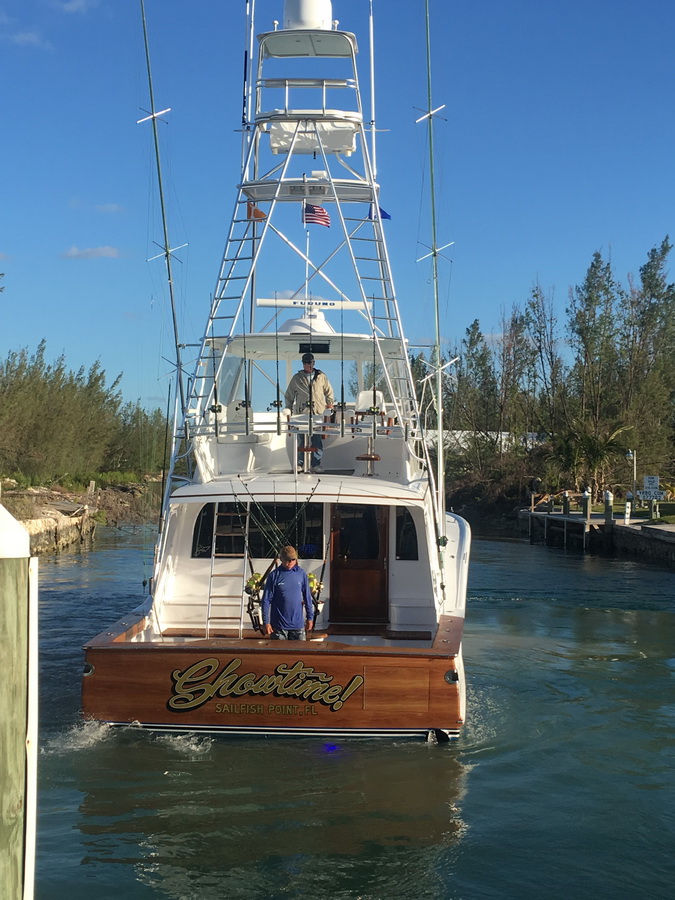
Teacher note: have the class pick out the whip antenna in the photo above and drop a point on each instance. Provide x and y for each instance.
(166, 249)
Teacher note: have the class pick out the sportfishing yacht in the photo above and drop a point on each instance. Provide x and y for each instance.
(352, 487)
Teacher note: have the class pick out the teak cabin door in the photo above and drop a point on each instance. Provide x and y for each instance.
(359, 582)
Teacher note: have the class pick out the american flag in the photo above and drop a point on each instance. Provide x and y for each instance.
(315, 215)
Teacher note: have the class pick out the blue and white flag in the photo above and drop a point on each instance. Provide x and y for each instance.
(383, 214)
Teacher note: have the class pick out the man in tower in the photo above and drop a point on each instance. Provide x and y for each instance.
(310, 391)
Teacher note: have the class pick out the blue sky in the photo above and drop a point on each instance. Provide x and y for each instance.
(558, 141)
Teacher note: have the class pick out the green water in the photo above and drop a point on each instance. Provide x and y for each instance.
(560, 786)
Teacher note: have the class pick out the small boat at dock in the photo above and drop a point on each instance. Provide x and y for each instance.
(346, 478)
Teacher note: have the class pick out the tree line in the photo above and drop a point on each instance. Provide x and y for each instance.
(548, 402)
(57, 423)
(558, 403)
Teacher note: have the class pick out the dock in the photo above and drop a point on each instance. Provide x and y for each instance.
(19, 702)
(597, 532)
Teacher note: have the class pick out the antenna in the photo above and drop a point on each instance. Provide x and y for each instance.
(440, 464)
(372, 88)
(166, 249)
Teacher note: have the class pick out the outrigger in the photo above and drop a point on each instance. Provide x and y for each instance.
(388, 565)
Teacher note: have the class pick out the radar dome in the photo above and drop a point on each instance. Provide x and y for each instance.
(299, 14)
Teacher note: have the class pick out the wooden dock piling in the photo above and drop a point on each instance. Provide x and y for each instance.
(18, 702)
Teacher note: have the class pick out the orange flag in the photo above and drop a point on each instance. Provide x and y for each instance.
(252, 212)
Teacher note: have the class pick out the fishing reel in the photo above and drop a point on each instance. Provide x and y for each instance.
(243, 404)
(252, 588)
(275, 404)
(253, 585)
(315, 587)
(255, 615)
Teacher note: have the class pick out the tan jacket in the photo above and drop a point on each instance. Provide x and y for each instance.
(298, 391)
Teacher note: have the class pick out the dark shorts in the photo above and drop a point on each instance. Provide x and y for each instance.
(289, 635)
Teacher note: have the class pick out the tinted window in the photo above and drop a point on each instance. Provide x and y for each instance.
(359, 532)
(202, 536)
(271, 526)
(406, 535)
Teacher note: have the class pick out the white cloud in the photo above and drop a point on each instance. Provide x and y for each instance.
(91, 253)
(28, 39)
(75, 6)
(109, 208)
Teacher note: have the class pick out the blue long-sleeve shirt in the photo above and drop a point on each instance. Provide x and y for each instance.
(286, 593)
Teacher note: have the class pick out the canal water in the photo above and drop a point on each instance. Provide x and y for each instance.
(561, 785)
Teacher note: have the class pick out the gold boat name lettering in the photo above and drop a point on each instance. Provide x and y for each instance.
(275, 709)
(201, 681)
(246, 708)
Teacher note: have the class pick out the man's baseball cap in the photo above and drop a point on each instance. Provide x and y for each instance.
(307, 357)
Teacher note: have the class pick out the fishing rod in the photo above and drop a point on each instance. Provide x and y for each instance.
(316, 600)
(277, 402)
(166, 249)
(343, 405)
(255, 581)
(254, 584)
(267, 520)
(216, 408)
(166, 445)
(440, 462)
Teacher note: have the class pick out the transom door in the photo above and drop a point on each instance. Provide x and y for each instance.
(359, 584)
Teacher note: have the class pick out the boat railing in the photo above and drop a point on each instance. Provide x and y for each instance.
(306, 85)
(326, 115)
(348, 424)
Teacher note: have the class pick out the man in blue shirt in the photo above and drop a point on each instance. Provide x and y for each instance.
(287, 600)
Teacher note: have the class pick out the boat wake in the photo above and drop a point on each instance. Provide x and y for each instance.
(82, 736)
(192, 746)
(88, 734)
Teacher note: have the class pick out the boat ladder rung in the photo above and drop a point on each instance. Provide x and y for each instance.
(224, 618)
(237, 259)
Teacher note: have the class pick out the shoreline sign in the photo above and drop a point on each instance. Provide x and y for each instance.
(651, 489)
